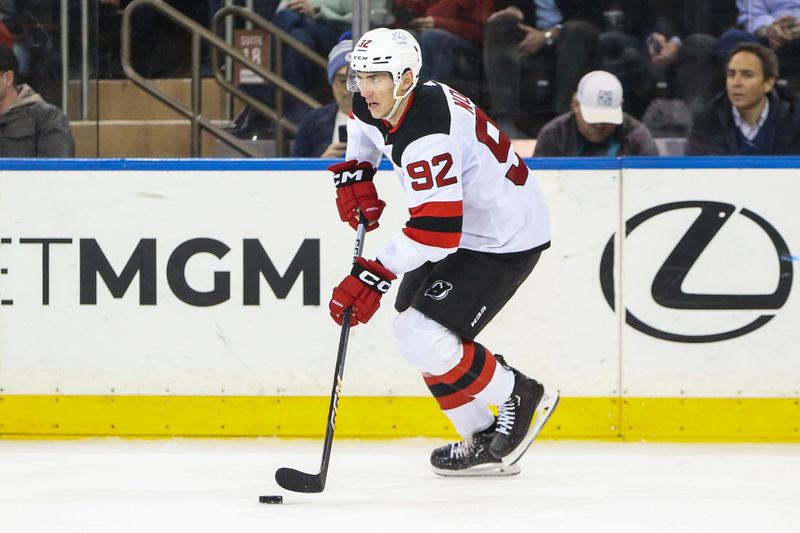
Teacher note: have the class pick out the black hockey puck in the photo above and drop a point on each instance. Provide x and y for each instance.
(270, 499)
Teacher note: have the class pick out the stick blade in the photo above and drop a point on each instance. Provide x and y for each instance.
(296, 481)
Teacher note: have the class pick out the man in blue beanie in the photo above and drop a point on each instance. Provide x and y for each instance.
(322, 132)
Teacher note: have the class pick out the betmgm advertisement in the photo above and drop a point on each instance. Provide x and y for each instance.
(176, 299)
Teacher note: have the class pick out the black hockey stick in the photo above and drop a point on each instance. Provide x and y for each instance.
(294, 480)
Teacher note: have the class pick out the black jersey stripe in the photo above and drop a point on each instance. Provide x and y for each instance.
(442, 224)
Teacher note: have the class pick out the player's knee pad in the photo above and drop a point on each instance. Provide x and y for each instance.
(425, 343)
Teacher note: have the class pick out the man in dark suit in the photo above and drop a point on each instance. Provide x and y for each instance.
(752, 116)
(322, 132)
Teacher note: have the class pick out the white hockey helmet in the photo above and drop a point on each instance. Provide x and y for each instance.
(386, 50)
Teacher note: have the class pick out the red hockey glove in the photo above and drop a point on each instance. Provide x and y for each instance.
(362, 289)
(355, 191)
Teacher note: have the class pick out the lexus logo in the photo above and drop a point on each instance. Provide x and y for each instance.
(667, 285)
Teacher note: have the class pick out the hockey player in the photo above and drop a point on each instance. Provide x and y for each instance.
(478, 223)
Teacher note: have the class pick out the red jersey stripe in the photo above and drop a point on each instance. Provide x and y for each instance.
(433, 238)
(438, 209)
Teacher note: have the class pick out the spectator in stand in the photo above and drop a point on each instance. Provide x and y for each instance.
(646, 42)
(446, 30)
(8, 9)
(404, 11)
(29, 126)
(323, 131)
(317, 24)
(30, 33)
(527, 42)
(772, 23)
(596, 126)
(752, 116)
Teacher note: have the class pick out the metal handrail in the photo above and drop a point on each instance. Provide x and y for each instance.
(193, 113)
(281, 38)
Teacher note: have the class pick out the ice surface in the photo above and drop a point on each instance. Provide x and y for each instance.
(185, 485)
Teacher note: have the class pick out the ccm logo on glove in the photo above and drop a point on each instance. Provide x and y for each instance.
(356, 193)
(370, 279)
(361, 290)
(347, 177)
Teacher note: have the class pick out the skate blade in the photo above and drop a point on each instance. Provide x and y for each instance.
(487, 470)
(540, 417)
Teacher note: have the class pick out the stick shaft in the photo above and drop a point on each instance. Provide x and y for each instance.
(336, 389)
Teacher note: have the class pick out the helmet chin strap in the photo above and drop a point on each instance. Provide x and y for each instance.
(398, 100)
(394, 108)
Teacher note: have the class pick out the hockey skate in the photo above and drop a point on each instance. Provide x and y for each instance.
(521, 417)
(470, 457)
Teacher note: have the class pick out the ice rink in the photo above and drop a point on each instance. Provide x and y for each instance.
(186, 485)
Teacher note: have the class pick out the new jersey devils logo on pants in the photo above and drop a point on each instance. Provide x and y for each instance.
(439, 289)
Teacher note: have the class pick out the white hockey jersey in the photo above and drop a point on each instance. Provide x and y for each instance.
(466, 186)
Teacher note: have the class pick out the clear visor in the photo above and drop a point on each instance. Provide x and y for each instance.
(369, 81)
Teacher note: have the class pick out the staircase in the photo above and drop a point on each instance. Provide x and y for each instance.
(133, 123)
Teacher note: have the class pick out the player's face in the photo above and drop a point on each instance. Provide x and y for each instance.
(745, 81)
(377, 88)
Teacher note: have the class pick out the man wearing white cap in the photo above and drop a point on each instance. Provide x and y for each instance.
(596, 126)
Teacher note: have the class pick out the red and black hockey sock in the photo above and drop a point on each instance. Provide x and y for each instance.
(468, 378)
